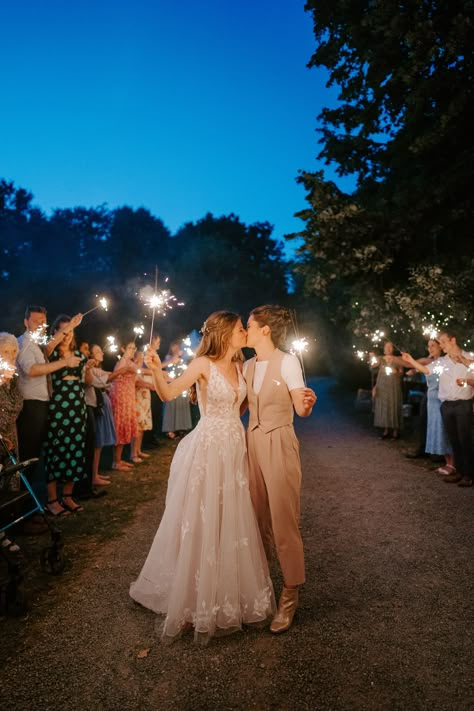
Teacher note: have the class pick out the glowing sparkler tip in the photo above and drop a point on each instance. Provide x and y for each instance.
(300, 345)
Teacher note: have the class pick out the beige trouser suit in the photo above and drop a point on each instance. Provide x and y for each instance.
(275, 468)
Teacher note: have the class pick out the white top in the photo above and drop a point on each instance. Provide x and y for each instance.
(448, 372)
(290, 372)
(32, 388)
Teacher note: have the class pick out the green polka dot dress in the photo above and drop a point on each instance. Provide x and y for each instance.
(65, 443)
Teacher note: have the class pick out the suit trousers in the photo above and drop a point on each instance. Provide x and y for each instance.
(458, 420)
(275, 482)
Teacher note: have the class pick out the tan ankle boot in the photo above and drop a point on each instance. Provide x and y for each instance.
(286, 610)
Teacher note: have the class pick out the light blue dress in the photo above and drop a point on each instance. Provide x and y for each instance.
(436, 438)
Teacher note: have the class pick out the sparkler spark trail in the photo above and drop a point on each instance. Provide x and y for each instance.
(39, 335)
(159, 301)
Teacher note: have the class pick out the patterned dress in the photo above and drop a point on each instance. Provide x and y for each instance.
(123, 400)
(143, 395)
(11, 402)
(207, 565)
(65, 441)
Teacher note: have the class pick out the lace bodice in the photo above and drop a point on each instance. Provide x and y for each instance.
(221, 399)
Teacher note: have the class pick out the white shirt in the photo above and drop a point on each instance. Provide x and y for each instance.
(290, 372)
(448, 372)
(32, 388)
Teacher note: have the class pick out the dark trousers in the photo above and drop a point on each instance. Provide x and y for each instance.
(32, 428)
(458, 419)
(423, 423)
(85, 485)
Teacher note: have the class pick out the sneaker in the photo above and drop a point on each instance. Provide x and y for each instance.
(465, 481)
(452, 478)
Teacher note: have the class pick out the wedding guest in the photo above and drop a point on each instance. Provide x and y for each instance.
(456, 405)
(437, 442)
(143, 387)
(34, 379)
(122, 397)
(387, 393)
(104, 418)
(65, 442)
(177, 412)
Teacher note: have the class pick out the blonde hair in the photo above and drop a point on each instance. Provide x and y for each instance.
(216, 336)
(277, 318)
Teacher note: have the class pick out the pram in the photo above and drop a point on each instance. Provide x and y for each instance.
(12, 594)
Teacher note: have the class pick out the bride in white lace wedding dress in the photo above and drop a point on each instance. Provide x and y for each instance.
(206, 567)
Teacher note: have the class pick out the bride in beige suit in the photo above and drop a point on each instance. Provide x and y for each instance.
(275, 389)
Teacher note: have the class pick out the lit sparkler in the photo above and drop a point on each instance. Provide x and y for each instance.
(388, 370)
(159, 301)
(431, 332)
(439, 369)
(7, 371)
(39, 335)
(299, 344)
(103, 303)
(111, 346)
(139, 331)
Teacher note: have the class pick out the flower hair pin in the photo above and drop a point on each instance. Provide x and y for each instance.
(204, 329)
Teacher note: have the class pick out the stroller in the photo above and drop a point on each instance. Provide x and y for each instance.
(12, 595)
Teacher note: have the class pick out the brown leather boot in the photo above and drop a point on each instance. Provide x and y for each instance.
(286, 610)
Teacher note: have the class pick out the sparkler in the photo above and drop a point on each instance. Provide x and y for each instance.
(7, 371)
(39, 335)
(103, 303)
(159, 301)
(299, 345)
(388, 370)
(111, 346)
(138, 331)
(431, 332)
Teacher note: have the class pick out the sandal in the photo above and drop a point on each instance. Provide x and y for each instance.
(446, 470)
(7, 544)
(63, 512)
(71, 509)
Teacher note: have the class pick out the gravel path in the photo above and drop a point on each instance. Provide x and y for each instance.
(385, 621)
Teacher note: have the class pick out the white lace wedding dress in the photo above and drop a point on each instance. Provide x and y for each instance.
(206, 566)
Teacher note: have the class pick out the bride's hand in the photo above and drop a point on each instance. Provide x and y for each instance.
(152, 359)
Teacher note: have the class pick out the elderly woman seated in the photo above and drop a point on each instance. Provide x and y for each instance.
(11, 403)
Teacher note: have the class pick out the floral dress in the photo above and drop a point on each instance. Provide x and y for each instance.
(143, 395)
(207, 566)
(65, 441)
(11, 402)
(123, 400)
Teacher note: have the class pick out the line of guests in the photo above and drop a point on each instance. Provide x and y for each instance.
(65, 406)
(449, 403)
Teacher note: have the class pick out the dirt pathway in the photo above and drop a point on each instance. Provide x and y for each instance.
(385, 621)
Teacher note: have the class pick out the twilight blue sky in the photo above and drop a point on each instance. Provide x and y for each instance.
(181, 107)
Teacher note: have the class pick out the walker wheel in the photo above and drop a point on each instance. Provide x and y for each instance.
(52, 560)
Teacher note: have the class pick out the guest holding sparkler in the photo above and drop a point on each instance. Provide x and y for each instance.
(66, 438)
(177, 412)
(143, 387)
(275, 389)
(437, 442)
(34, 380)
(105, 435)
(456, 395)
(387, 392)
(123, 399)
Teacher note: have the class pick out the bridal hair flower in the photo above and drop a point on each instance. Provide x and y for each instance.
(204, 329)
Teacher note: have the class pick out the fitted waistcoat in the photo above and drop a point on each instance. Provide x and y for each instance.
(273, 406)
